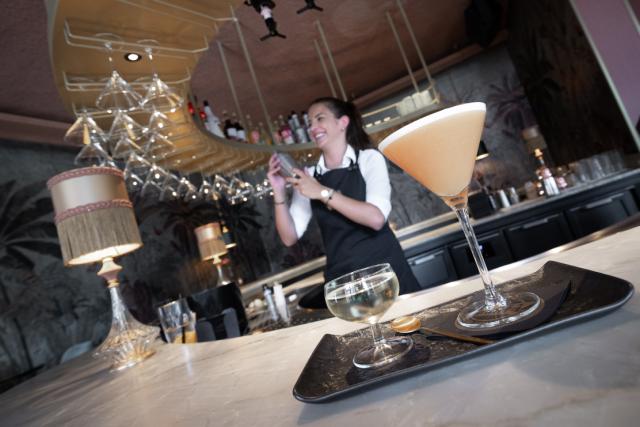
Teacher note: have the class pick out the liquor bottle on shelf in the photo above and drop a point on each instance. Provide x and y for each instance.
(240, 133)
(307, 125)
(295, 119)
(285, 131)
(229, 129)
(545, 177)
(212, 121)
(298, 129)
(264, 135)
(277, 138)
(254, 134)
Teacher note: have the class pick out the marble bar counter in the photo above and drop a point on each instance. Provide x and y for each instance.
(586, 374)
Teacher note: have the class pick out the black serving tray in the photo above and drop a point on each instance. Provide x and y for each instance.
(579, 295)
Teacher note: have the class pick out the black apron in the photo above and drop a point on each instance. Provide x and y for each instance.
(350, 246)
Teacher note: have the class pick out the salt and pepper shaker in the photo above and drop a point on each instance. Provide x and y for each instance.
(281, 301)
(268, 296)
(513, 195)
(504, 201)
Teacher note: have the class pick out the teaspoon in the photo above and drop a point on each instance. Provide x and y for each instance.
(409, 324)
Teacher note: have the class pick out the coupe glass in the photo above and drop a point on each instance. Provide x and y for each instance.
(364, 296)
(439, 151)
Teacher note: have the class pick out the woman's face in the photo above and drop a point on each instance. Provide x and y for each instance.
(326, 128)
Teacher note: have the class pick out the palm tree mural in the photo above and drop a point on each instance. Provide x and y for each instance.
(509, 106)
(26, 231)
(250, 253)
(168, 265)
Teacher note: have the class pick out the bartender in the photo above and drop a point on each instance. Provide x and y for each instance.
(348, 192)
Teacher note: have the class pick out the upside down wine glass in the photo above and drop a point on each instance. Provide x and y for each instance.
(364, 296)
(439, 151)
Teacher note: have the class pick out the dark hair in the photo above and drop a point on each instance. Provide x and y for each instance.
(356, 136)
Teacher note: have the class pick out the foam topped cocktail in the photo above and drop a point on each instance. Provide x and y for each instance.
(439, 151)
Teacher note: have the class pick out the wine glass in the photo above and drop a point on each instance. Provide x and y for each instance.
(364, 296)
(439, 151)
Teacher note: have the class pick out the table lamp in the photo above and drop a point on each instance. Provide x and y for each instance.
(212, 246)
(96, 223)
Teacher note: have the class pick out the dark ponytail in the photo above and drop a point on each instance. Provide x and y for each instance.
(356, 136)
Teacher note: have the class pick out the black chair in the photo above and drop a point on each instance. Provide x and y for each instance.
(227, 320)
(219, 312)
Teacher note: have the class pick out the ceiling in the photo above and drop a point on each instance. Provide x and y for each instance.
(288, 70)
(360, 38)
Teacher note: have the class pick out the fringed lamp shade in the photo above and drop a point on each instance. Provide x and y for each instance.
(93, 215)
(210, 241)
(95, 223)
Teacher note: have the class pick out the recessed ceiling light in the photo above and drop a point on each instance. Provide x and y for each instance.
(132, 57)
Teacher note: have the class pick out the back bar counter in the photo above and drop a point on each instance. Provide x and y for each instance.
(438, 253)
(587, 373)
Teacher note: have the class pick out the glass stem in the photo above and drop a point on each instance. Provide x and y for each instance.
(491, 295)
(376, 332)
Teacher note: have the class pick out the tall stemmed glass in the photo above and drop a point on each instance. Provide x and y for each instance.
(439, 151)
(364, 296)
(85, 131)
(117, 94)
(159, 95)
(124, 134)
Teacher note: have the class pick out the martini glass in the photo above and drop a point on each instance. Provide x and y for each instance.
(159, 95)
(117, 94)
(439, 151)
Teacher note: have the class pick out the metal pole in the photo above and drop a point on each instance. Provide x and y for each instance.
(415, 43)
(333, 64)
(324, 68)
(252, 71)
(404, 55)
(231, 85)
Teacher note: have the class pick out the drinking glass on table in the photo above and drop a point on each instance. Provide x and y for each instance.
(364, 296)
(178, 322)
(439, 151)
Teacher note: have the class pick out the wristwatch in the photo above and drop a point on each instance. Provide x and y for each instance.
(327, 194)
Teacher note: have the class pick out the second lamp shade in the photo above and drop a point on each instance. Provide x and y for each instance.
(210, 241)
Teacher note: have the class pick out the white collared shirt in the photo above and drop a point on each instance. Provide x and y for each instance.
(374, 171)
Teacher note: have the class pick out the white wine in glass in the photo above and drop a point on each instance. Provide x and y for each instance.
(364, 296)
(439, 151)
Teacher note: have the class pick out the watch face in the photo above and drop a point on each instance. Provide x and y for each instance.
(324, 193)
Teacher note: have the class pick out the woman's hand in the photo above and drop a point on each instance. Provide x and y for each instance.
(275, 179)
(306, 184)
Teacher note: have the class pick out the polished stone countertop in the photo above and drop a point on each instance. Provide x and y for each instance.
(586, 374)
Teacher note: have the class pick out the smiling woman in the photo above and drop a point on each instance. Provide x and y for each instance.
(348, 193)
